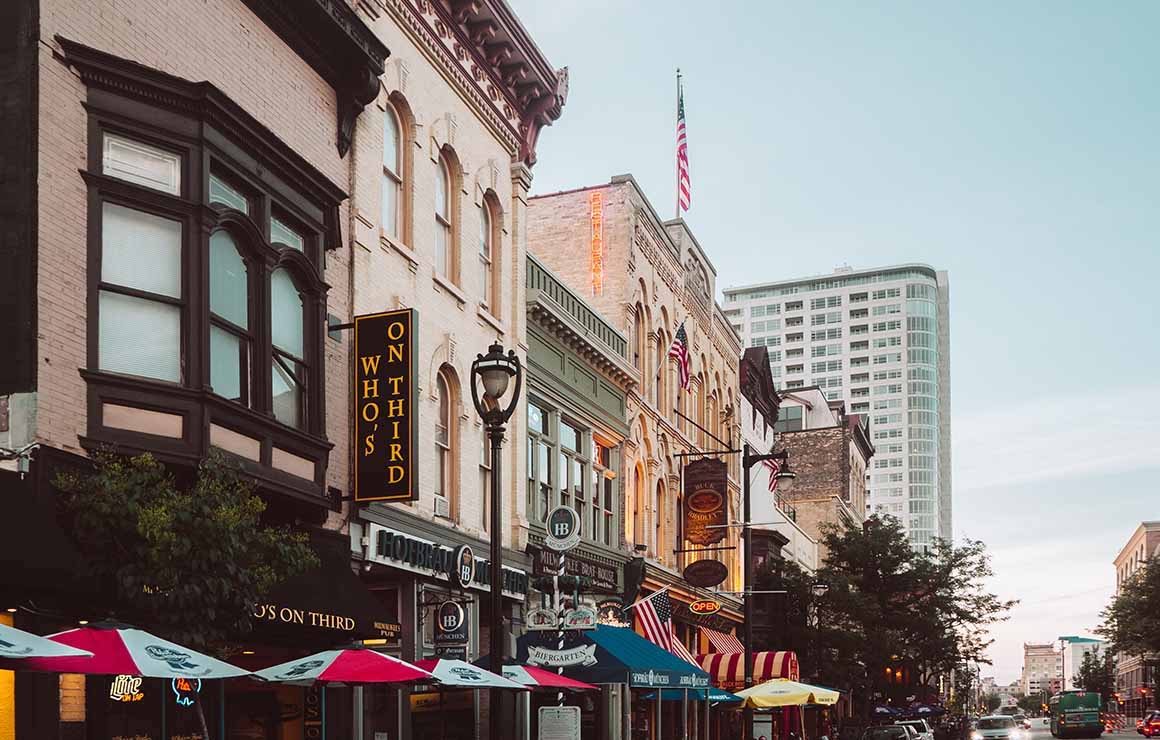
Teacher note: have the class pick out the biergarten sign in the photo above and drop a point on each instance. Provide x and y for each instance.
(563, 529)
(705, 573)
(386, 416)
(706, 502)
(582, 655)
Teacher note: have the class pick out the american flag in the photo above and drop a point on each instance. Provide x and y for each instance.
(680, 350)
(683, 197)
(774, 469)
(656, 619)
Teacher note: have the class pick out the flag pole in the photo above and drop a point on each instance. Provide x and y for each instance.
(677, 164)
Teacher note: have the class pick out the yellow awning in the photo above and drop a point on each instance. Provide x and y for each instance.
(781, 692)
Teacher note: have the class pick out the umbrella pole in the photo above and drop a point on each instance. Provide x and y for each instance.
(685, 715)
(443, 716)
(706, 713)
(322, 701)
(660, 716)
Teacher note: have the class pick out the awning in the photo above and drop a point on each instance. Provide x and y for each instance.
(723, 642)
(716, 695)
(728, 670)
(611, 655)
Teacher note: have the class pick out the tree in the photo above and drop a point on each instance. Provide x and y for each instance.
(191, 562)
(1131, 622)
(992, 702)
(1097, 673)
(1031, 703)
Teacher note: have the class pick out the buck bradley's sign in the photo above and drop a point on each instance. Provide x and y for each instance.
(385, 422)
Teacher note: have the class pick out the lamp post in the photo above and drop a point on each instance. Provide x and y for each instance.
(818, 589)
(494, 372)
(785, 478)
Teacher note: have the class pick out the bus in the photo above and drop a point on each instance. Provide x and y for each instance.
(1075, 714)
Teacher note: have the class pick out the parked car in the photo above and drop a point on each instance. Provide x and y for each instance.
(886, 732)
(1149, 726)
(919, 726)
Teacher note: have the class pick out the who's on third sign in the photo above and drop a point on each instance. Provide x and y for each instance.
(386, 416)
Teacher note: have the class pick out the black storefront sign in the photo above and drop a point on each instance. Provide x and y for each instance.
(386, 417)
(451, 624)
(706, 508)
(603, 576)
(442, 561)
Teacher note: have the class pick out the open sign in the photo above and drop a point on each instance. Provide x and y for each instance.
(705, 606)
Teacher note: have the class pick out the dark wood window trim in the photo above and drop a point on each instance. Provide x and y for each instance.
(211, 134)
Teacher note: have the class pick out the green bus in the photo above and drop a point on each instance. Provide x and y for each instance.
(1076, 714)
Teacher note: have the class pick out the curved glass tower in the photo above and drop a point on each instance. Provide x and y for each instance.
(879, 341)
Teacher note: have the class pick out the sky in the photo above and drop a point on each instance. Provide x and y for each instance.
(1012, 144)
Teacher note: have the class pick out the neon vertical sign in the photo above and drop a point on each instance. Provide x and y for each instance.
(596, 240)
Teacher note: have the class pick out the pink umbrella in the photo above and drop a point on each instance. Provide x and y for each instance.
(119, 649)
(538, 678)
(349, 665)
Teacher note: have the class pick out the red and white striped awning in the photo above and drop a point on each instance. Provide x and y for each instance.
(723, 642)
(727, 670)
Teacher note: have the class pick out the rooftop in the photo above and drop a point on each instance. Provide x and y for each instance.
(835, 279)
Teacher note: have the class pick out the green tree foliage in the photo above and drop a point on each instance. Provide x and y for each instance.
(1032, 704)
(1097, 673)
(188, 561)
(1131, 622)
(992, 702)
(889, 607)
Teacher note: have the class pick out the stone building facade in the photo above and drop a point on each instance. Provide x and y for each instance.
(649, 278)
(196, 200)
(1137, 676)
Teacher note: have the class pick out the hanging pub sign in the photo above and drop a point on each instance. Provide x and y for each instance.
(450, 624)
(563, 529)
(386, 416)
(581, 618)
(464, 566)
(705, 573)
(542, 619)
(706, 501)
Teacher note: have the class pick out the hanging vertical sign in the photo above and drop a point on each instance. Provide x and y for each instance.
(706, 501)
(386, 416)
(596, 240)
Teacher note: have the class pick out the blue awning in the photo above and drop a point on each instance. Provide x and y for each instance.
(611, 655)
(716, 695)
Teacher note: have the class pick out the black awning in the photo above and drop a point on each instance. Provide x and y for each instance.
(326, 605)
(37, 559)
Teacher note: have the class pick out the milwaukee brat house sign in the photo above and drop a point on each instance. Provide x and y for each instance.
(386, 420)
(706, 501)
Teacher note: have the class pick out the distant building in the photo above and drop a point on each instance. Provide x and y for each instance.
(1072, 651)
(880, 340)
(1040, 664)
(1136, 675)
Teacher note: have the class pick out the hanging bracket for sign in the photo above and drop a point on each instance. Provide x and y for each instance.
(386, 406)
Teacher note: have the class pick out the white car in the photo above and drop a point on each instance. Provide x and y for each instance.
(998, 727)
(920, 726)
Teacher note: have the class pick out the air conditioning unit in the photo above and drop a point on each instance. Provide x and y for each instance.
(442, 507)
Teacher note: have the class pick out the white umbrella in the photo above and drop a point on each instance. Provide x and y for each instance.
(458, 673)
(16, 643)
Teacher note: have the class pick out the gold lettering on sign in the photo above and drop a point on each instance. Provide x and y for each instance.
(385, 408)
(287, 615)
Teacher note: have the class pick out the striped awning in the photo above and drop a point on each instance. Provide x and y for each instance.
(727, 670)
(723, 642)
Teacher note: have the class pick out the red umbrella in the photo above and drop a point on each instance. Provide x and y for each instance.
(538, 678)
(120, 649)
(349, 665)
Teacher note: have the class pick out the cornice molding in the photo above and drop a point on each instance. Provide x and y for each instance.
(553, 317)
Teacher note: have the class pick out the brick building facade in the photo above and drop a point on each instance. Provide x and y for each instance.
(1137, 676)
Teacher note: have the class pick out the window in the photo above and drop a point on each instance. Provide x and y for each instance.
(485, 483)
(858, 298)
(659, 522)
(638, 337)
(858, 313)
(859, 408)
(392, 173)
(859, 330)
(230, 340)
(795, 384)
(888, 309)
(791, 338)
(887, 293)
(888, 388)
(603, 523)
(888, 358)
(860, 378)
(140, 293)
(488, 257)
(859, 361)
(792, 353)
(793, 321)
(859, 392)
(823, 350)
(829, 366)
(887, 374)
(443, 225)
(794, 369)
(888, 325)
(541, 481)
(288, 373)
(833, 301)
(888, 403)
(444, 440)
(793, 306)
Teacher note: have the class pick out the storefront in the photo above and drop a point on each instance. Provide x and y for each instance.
(433, 581)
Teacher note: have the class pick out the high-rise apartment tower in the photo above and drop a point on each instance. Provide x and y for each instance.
(880, 341)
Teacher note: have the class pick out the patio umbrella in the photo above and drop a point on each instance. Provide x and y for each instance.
(781, 692)
(118, 648)
(538, 678)
(348, 665)
(926, 710)
(464, 675)
(21, 645)
(882, 710)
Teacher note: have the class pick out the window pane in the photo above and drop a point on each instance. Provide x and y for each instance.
(140, 250)
(225, 363)
(287, 396)
(442, 194)
(124, 320)
(390, 141)
(285, 314)
(227, 280)
(222, 192)
(390, 205)
(484, 231)
(142, 164)
(280, 233)
(442, 249)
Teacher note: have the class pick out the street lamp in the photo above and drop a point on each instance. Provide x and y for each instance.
(818, 589)
(494, 372)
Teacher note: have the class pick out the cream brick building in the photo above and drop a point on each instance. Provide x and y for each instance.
(648, 277)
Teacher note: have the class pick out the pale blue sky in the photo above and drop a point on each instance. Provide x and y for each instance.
(1012, 144)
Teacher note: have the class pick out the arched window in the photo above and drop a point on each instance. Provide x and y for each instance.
(445, 441)
(443, 225)
(229, 316)
(660, 373)
(392, 173)
(288, 372)
(659, 514)
(489, 257)
(638, 337)
(635, 530)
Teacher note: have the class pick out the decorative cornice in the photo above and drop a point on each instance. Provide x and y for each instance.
(550, 315)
